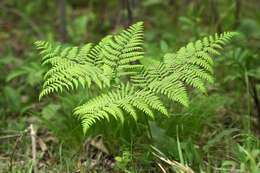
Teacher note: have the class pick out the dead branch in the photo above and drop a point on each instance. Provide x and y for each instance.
(33, 137)
(15, 146)
(9, 136)
(176, 164)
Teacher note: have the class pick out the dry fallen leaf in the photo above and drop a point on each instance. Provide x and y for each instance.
(43, 146)
(79, 164)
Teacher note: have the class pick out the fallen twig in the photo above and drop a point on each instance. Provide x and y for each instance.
(9, 136)
(161, 167)
(33, 136)
(176, 164)
(15, 146)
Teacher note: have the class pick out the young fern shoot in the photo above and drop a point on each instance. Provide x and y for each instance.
(138, 87)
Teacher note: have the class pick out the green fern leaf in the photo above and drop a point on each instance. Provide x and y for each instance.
(126, 99)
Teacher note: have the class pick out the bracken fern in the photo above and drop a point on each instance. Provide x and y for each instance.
(113, 65)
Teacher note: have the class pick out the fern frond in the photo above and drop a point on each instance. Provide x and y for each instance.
(96, 56)
(174, 90)
(123, 49)
(190, 66)
(196, 60)
(113, 57)
(126, 99)
(70, 66)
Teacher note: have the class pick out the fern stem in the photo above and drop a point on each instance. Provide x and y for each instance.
(149, 128)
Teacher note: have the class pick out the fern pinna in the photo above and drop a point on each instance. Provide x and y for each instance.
(127, 86)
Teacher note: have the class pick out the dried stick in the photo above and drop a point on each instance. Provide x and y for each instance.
(33, 137)
(9, 136)
(176, 164)
(15, 146)
(163, 170)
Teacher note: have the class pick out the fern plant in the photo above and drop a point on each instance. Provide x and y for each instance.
(117, 67)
